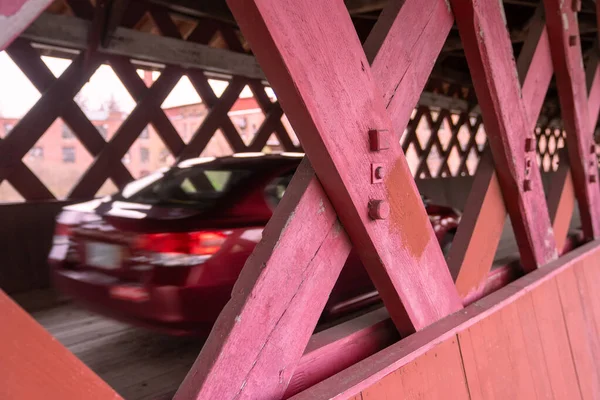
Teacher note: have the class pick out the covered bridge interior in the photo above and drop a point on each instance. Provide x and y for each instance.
(484, 106)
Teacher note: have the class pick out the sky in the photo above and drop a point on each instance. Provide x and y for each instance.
(18, 95)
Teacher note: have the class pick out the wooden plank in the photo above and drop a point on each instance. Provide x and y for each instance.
(16, 15)
(554, 339)
(487, 310)
(71, 32)
(499, 351)
(34, 365)
(490, 58)
(583, 339)
(434, 375)
(476, 241)
(570, 78)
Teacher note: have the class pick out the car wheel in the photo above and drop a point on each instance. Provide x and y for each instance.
(447, 244)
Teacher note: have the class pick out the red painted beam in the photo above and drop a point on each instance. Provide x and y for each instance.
(34, 365)
(490, 57)
(563, 31)
(15, 17)
(478, 235)
(222, 351)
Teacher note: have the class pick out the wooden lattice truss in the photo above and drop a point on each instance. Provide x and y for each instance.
(437, 142)
(57, 101)
(349, 105)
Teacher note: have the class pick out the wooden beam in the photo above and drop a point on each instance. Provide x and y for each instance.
(491, 62)
(71, 32)
(365, 6)
(215, 9)
(478, 235)
(565, 47)
(116, 11)
(269, 354)
(34, 365)
(16, 15)
(561, 200)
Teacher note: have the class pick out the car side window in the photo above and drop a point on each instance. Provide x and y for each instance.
(275, 189)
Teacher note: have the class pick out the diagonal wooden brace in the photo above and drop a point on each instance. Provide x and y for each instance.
(510, 135)
(236, 353)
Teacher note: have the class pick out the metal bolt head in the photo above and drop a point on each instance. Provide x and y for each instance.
(379, 209)
(379, 172)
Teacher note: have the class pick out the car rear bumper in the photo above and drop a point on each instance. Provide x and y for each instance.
(168, 309)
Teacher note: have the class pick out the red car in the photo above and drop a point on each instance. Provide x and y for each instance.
(165, 252)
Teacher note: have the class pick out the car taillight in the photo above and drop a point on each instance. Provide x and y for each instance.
(186, 248)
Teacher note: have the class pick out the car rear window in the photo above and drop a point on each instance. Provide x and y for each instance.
(197, 186)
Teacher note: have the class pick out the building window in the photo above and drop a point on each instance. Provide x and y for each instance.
(36, 153)
(145, 134)
(163, 156)
(126, 158)
(144, 154)
(68, 154)
(103, 129)
(67, 133)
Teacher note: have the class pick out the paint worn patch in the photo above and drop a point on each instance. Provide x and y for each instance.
(321, 209)
(448, 6)
(407, 215)
(565, 19)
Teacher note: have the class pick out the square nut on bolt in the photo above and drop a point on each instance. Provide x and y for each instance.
(379, 139)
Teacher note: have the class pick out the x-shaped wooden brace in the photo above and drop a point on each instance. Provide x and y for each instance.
(272, 110)
(423, 171)
(479, 233)
(42, 78)
(111, 155)
(52, 104)
(277, 300)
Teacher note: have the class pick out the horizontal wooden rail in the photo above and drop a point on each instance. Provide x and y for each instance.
(562, 356)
